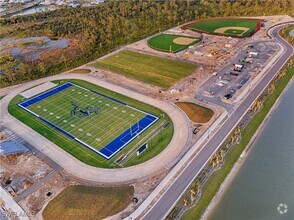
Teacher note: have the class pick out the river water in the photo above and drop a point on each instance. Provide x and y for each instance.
(266, 178)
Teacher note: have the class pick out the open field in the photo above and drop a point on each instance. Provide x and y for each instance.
(196, 113)
(150, 69)
(86, 202)
(226, 27)
(76, 148)
(171, 43)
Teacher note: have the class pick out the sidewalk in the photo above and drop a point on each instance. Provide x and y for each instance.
(13, 209)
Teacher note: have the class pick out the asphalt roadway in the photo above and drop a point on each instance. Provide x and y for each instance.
(166, 202)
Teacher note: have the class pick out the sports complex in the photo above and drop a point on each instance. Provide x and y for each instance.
(226, 27)
(94, 124)
(102, 124)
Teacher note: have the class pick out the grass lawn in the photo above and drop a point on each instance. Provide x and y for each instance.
(84, 71)
(196, 113)
(73, 147)
(164, 42)
(87, 202)
(154, 148)
(212, 25)
(212, 185)
(149, 69)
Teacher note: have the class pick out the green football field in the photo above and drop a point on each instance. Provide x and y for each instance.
(212, 25)
(165, 43)
(107, 121)
(74, 123)
(154, 70)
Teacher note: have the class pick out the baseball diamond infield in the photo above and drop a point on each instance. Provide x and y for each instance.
(171, 43)
(226, 27)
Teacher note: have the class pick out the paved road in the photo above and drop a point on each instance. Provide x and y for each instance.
(174, 192)
(83, 171)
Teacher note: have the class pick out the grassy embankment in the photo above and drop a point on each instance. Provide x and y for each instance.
(86, 202)
(196, 113)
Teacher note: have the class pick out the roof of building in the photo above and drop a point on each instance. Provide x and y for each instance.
(12, 147)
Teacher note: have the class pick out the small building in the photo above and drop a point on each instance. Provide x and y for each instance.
(12, 147)
(238, 67)
(248, 60)
(253, 54)
(228, 45)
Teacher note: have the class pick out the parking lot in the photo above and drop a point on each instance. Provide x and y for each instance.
(226, 84)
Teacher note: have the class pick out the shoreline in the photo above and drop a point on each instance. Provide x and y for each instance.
(237, 166)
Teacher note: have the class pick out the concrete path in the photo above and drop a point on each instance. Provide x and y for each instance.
(81, 170)
(12, 206)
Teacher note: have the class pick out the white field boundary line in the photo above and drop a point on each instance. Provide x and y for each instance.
(131, 138)
(88, 146)
(109, 101)
(37, 90)
(168, 178)
(81, 124)
(45, 92)
(283, 48)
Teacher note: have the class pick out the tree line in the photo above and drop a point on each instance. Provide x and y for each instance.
(101, 29)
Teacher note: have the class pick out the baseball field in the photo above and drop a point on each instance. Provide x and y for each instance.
(226, 27)
(171, 43)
